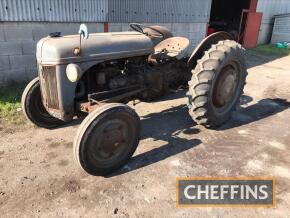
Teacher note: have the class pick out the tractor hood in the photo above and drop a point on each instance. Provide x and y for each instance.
(99, 46)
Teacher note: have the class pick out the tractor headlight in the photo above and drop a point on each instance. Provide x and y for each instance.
(73, 72)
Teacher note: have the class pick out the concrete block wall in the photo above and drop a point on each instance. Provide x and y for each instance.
(18, 43)
(18, 47)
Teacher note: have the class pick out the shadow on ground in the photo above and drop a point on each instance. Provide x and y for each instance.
(255, 58)
(165, 126)
(261, 110)
(168, 124)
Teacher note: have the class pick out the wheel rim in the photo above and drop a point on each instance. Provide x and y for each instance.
(226, 87)
(110, 140)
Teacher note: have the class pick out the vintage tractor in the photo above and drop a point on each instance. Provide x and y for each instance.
(97, 74)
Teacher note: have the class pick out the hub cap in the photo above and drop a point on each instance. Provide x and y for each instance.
(112, 137)
(226, 85)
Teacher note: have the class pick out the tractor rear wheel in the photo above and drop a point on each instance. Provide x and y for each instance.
(217, 83)
(107, 138)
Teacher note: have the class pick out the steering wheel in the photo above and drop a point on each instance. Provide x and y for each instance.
(140, 28)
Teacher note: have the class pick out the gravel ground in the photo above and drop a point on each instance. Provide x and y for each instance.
(39, 177)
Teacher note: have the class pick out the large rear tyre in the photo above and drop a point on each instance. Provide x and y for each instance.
(217, 83)
(106, 139)
(34, 109)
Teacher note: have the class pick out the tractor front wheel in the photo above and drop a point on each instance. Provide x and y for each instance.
(107, 138)
(217, 83)
(34, 109)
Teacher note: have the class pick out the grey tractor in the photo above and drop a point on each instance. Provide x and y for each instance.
(93, 76)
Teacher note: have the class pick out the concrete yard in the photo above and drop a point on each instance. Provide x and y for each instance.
(40, 178)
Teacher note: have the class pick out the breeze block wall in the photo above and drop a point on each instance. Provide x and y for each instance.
(18, 43)
(18, 47)
(22, 25)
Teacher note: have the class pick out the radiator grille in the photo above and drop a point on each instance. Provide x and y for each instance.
(49, 86)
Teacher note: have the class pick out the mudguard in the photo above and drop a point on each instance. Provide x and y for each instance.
(205, 44)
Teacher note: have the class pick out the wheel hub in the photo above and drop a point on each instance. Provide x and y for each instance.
(225, 87)
(112, 139)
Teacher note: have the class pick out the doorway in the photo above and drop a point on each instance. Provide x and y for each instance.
(226, 16)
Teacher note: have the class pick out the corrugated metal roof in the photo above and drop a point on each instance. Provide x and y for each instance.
(162, 11)
(281, 31)
(54, 10)
(270, 8)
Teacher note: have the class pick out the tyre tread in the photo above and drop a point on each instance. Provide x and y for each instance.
(203, 74)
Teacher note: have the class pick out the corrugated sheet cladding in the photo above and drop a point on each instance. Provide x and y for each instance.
(54, 10)
(270, 8)
(105, 10)
(281, 31)
(161, 11)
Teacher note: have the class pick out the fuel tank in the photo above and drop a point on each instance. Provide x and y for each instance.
(99, 46)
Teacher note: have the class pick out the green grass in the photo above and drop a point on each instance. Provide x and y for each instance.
(10, 103)
(272, 49)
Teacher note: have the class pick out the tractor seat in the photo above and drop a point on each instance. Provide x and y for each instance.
(174, 47)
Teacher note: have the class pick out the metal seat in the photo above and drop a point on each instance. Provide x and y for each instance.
(174, 47)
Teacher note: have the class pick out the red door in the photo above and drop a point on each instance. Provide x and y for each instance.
(252, 29)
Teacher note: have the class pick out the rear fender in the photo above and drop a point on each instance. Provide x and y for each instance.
(205, 45)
